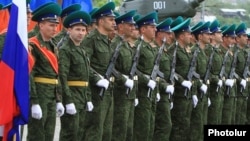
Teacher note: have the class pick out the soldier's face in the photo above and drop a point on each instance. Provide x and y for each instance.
(127, 29)
(229, 41)
(77, 33)
(217, 37)
(186, 38)
(135, 34)
(168, 36)
(48, 29)
(242, 40)
(205, 38)
(108, 23)
(149, 32)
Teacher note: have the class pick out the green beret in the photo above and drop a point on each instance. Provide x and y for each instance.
(49, 13)
(42, 6)
(105, 10)
(74, 7)
(126, 18)
(230, 31)
(164, 26)
(177, 21)
(149, 19)
(184, 26)
(241, 29)
(77, 17)
(197, 25)
(93, 20)
(224, 27)
(204, 28)
(137, 17)
(215, 26)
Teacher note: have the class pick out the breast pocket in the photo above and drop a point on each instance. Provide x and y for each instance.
(77, 64)
(102, 54)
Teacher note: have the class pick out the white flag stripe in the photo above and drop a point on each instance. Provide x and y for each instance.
(22, 21)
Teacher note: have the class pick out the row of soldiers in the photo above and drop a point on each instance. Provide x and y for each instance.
(133, 79)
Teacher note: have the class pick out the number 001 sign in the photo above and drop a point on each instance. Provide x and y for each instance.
(159, 5)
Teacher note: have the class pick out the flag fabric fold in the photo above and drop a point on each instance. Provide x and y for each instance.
(14, 73)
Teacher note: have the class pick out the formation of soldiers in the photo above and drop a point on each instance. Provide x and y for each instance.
(113, 77)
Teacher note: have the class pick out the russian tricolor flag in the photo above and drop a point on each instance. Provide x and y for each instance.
(14, 73)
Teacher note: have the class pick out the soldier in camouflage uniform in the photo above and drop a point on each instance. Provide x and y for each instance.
(181, 112)
(229, 103)
(35, 30)
(199, 112)
(43, 77)
(74, 73)
(215, 92)
(99, 122)
(163, 123)
(124, 92)
(145, 110)
(62, 35)
(242, 81)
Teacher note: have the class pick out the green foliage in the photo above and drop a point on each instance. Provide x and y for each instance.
(99, 3)
(213, 7)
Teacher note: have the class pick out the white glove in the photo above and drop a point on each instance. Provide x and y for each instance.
(59, 109)
(136, 102)
(187, 84)
(129, 83)
(71, 109)
(171, 105)
(158, 97)
(208, 102)
(36, 111)
(243, 83)
(89, 106)
(170, 89)
(203, 88)
(103, 83)
(195, 100)
(151, 84)
(220, 83)
(229, 82)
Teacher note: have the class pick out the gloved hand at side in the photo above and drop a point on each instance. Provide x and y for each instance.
(71, 109)
(36, 111)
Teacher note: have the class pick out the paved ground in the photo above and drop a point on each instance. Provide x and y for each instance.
(57, 130)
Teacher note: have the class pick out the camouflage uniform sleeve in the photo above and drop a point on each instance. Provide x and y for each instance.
(33, 93)
(88, 45)
(64, 64)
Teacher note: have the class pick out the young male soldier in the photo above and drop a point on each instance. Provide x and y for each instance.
(62, 35)
(181, 112)
(74, 73)
(243, 81)
(215, 91)
(229, 104)
(35, 30)
(43, 77)
(124, 90)
(198, 118)
(163, 123)
(145, 110)
(99, 122)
